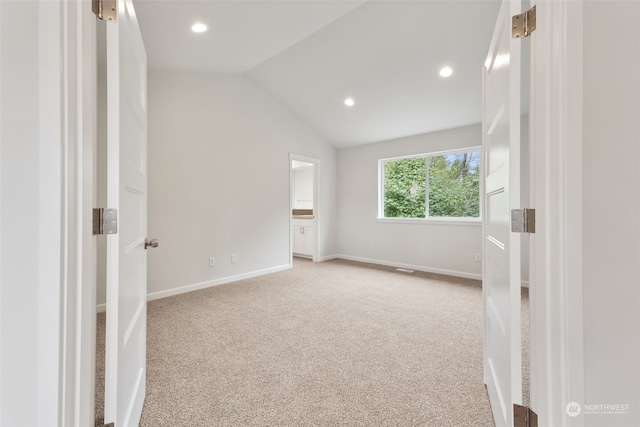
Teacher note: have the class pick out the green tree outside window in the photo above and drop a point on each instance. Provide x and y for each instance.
(448, 185)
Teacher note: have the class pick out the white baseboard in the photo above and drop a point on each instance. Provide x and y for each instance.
(413, 267)
(525, 284)
(208, 284)
(327, 258)
(100, 308)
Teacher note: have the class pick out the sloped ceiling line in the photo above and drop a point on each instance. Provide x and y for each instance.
(311, 55)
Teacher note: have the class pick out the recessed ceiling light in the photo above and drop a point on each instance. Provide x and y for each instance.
(446, 72)
(349, 102)
(198, 28)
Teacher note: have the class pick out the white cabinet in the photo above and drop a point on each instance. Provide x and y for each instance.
(304, 240)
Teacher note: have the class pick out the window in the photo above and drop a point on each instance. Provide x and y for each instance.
(439, 185)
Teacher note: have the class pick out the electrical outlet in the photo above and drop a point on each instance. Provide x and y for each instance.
(478, 257)
(234, 258)
(212, 262)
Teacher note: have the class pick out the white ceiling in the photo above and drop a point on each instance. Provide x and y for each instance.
(311, 55)
(241, 34)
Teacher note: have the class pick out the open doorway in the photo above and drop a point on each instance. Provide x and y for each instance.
(303, 207)
(525, 242)
(525, 201)
(100, 189)
(525, 251)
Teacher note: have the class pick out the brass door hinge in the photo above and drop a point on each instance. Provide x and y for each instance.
(524, 24)
(523, 416)
(107, 10)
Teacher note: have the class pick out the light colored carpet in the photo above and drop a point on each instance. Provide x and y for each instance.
(324, 344)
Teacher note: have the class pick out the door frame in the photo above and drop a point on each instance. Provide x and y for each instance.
(60, 107)
(557, 365)
(68, 33)
(556, 307)
(80, 111)
(316, 204)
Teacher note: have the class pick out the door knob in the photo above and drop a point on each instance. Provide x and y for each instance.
(151, 242)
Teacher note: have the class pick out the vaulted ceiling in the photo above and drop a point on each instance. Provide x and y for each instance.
(312, 55)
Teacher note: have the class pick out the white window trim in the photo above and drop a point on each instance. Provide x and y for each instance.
(435, 220)
(428, 219)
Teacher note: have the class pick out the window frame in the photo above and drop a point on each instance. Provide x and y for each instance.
(475, 221)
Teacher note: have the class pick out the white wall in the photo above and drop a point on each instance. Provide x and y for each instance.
(24, 168)
(219, 179)
(431, 247)
(611, 204)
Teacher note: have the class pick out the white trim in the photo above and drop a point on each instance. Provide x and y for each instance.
(58, 104)
(423, 268)
(1, 283)
(78, 108)
(232, 279)
(87, 68)
(208, 284)
(436, 153)
(524, 284)
(294, 156)
(557, 359)
(316, 203)
(483, 214)
(101, 308)
(55, 256)
(475, 222)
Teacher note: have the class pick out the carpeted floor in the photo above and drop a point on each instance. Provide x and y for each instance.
(323, 344)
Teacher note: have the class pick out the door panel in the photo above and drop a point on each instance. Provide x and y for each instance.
(501, 278)
(125, 369)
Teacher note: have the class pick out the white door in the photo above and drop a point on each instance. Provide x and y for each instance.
(125, 369)
(501, 279)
